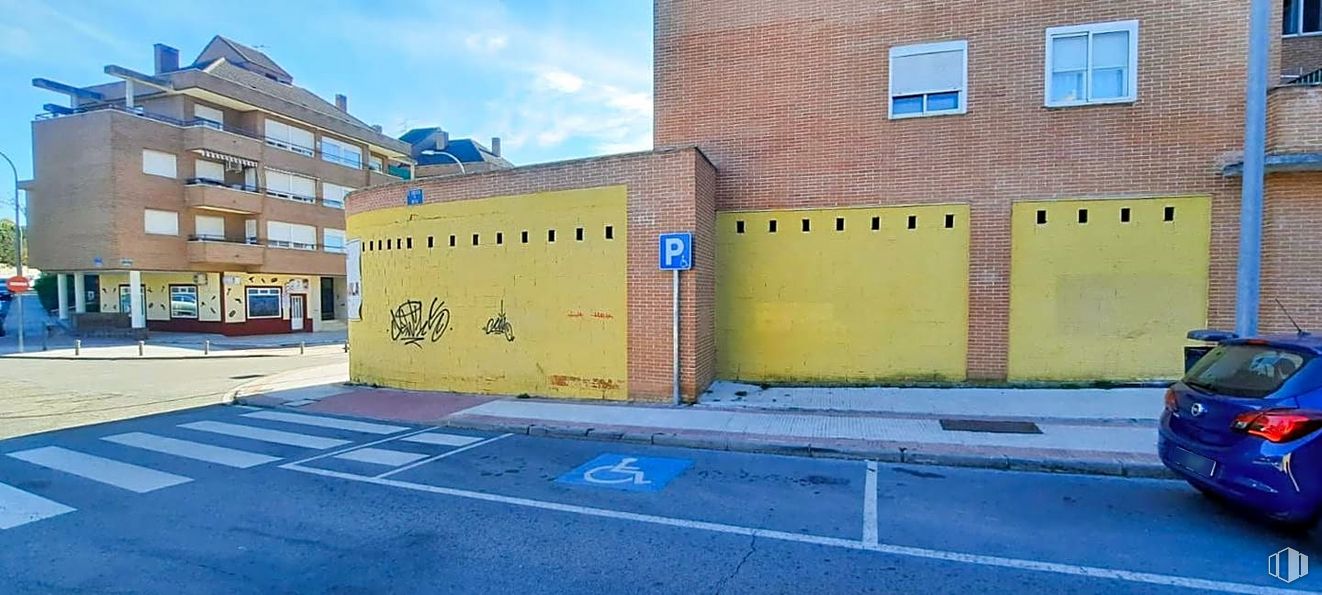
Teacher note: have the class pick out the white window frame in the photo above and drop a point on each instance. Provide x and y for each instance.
(147, 226)
(928, 48)
(149, 168)
(199, 164)
(183, 289)
(1300, 15)
(289, 194)
(1093, 29)
(198, 220)
(201, 120)
(333, 195)
(328, 246)
(286, 140)
(280, 234)
(337, 155)
(264, 291)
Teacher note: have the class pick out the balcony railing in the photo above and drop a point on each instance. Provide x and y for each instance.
(202, 237)
(341, 160)
(291, 245)
(142, 113)
(1312, 78)
(221, 184)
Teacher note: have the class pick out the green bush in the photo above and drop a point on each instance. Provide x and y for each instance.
(47, 291)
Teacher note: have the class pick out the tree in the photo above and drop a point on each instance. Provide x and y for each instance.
(7, 232)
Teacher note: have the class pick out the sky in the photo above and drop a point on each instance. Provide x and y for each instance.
(555, 79)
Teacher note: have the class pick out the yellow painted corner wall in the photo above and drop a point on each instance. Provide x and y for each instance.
(852, 306)
(156, 291)
(1107, 299)
(541, 318)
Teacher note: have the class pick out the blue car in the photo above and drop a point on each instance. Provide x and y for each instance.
(1244, 426)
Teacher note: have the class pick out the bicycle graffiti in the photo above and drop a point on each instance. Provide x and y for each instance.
(410, 327)
(500, 325)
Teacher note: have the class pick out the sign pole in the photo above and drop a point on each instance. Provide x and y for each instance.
(675, 334)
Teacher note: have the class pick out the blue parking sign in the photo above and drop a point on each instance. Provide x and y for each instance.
(414, 196)
(626, 472)
(676, 251)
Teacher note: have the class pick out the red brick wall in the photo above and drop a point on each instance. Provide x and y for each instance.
(1291, 261)
(789, 100)
(1301, 55)
(1294, 119)
(669, 190)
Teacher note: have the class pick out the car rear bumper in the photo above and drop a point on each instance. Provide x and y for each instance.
(1255, 475)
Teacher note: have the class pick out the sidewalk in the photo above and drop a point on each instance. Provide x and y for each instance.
(1103, 432)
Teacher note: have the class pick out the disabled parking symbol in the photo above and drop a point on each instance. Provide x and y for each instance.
(626, 472)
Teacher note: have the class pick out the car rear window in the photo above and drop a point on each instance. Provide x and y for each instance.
(1252, 371)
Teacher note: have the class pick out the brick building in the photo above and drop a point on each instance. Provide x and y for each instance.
(1005, 192)
(206, 197)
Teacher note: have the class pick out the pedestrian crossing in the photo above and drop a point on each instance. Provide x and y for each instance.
(142, 462)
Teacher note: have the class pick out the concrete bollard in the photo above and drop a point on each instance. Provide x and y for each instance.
(77, 346)
(206, 347)
(140, 344)
(302, 345)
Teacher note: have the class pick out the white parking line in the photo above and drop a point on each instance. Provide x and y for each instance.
(264, 435)
(381, 456)
(443, 455)
(18, 507)
(894, 550)
(107, 471)
(220, 455)
(440, 439)
(326, 422)
(870, 505)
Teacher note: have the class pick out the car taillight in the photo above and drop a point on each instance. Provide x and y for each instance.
(1278, 425)
(1172, 401)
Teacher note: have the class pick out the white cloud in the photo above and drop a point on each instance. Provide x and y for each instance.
(486, 43)
(559, 80)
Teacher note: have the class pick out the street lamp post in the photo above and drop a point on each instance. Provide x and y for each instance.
(18, 249)
(1247, 290)
(456, 160)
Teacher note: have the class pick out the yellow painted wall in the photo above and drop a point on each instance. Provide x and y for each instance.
(565, 301)
(236, 295)
(1106, 299)
(156, 290)
(843, 306)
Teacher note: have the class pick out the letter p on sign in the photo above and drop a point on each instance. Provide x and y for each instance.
(676, 251)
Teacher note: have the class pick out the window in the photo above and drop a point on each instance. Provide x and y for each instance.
(291, 235)
(928, 79)
(333, 240)
(209, 116)
(341, 152)
(263, 302)
(157, 163)
(209, 170)
(1302, 17)
(164, 223)
(183, 301)
(291, 186)
(378, 164)
(1246, 371)
(290, 138)
(209, 228)
(1092, 64)
(332, 195)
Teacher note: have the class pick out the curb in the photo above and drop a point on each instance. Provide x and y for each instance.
(134, 358)
(881, 452)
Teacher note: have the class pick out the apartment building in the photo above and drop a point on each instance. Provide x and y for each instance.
(878, 192)
(436, 154)
(207, 197)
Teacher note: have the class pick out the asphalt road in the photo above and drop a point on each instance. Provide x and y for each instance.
(346, 508)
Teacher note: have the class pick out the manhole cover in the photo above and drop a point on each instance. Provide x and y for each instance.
(993, 427)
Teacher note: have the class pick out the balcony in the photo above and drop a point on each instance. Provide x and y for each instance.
(213, 250)
(202, 193)
(229, 140)
(1294, 127)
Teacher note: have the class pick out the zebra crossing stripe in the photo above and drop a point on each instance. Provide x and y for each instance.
(192, 450)
(265, 435)
(18, 507)
(326, 422)
(110, 472)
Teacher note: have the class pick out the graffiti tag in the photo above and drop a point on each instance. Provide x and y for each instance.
(499, 325)
(410, 327)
